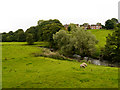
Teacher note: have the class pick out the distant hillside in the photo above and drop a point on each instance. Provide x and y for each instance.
(101, 35)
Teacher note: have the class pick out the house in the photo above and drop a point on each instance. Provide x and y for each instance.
(85, 27)
(95, 27)
(91, 26)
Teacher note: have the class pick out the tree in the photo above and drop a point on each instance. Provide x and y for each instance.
(19, 35)
(85, 42)
(69, 28)
(99, 24)
(4, 35)
(63, 42)
(115, 20)
(111, 23)
(72, 27)
(19, 30)
(85, 24)
(29, 39)
(118, 25)
(0, 37)
(103, 27)
(10, 33)
(9, 38)
(78, 42)
(112, 47)
(47, 28)
(40, 21)
(32, 30)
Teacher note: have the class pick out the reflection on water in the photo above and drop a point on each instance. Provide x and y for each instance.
(105, 63)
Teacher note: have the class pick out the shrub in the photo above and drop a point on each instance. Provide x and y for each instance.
(48, 53)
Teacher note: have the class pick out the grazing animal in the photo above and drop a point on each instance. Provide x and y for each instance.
(84, 64)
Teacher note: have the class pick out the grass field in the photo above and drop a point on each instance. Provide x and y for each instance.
(101, 35)
(22, 70)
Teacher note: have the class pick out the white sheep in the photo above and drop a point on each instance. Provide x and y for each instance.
(84, 64)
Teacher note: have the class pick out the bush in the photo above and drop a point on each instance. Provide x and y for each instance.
(48, 53)
(55, 55)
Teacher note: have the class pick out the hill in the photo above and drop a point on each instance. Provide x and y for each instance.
(101, 35)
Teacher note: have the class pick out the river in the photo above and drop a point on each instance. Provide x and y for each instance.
(104, 63)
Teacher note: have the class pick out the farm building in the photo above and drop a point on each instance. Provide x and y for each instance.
(91, 26)
(95, 27)
(85, 27)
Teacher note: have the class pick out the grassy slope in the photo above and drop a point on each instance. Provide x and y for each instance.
(101, 35)
(22, 70)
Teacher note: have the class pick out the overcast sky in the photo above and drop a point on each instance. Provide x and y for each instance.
(22, 14)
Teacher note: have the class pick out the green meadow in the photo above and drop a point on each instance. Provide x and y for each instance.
(20, 69)
(101, 35)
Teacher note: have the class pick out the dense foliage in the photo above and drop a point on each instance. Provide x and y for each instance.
(32, 30)
(78, 42)
(47, 28)
(42, 32)
(112, 47)
(17, 36)
(30, 39)
(111, 23)
(72, 27)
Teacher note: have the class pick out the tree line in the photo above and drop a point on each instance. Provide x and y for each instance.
(42, 32)
(75, 40)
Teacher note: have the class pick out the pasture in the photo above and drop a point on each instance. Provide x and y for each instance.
(22, 70)
(101, 35)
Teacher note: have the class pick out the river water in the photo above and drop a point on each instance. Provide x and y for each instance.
(97, 62)
(104, 63)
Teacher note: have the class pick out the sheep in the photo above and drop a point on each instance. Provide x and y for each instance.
(84, 64)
